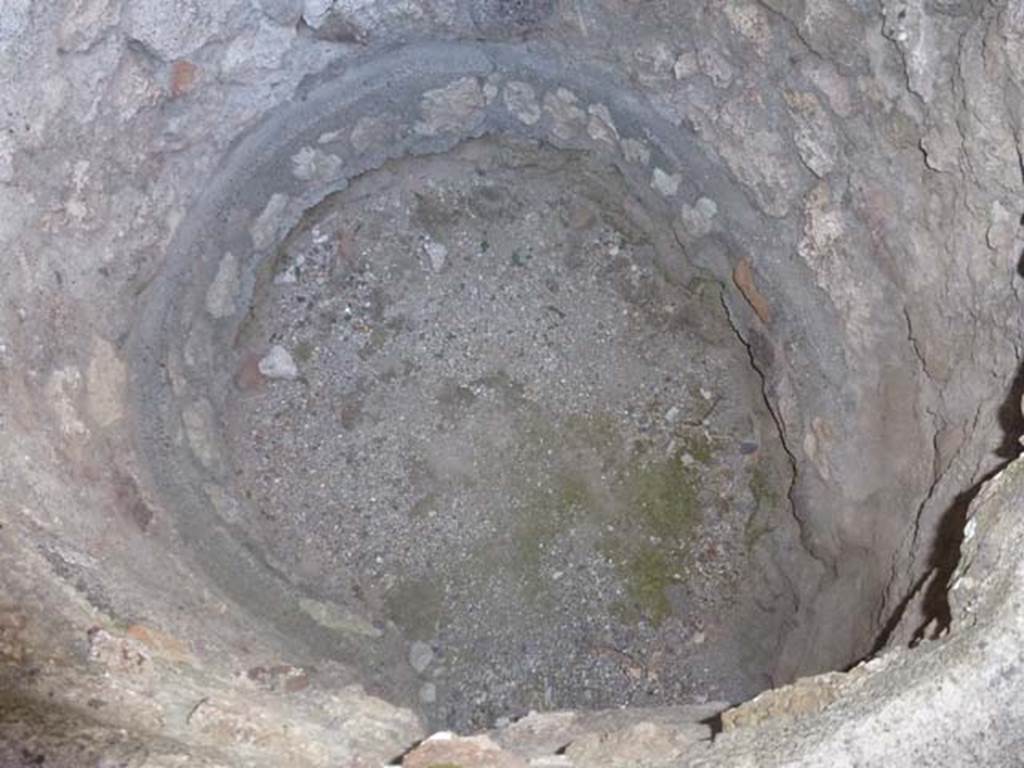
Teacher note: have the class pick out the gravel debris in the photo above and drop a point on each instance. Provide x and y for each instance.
(509, 455)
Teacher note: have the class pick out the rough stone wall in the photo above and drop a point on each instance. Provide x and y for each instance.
(869, 151)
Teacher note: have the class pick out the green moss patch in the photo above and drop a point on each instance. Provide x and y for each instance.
(664, 496)
(417, 607)
(650, 545)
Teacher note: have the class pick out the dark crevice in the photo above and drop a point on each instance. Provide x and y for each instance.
(398, 759)
(932, 588)
(894, 620)
(1011, 419)
(950, 533)
(780, 428)
(715, 723)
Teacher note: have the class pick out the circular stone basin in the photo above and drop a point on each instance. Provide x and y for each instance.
(480, 410)
(442, 383)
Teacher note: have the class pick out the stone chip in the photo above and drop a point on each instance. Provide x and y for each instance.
(278, 364)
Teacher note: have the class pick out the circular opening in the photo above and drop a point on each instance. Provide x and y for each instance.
(443, 385)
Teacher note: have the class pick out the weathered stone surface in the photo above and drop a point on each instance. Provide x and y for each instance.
(831, 28)
(223, 291)
(6, 159)
(261, 53)
(806, 696)
(63, 391)
(909, 26)
(466, 752)
(666, 183)
(309, 164)
(653, 63)
(713, 63)
(363, 20)
(823, 248)
(285, 12)
(636, 151)
(267, 226)
(199, 420)
(757, 153)
(521, 101)
(16, 19)
(566, 113)
(649, 744)
(105, 382)
(175, 29)
(451, 108)
(372, 133)
(601, 126)
(610, 737)
(85, 22)
(815, 137)
(698, 219)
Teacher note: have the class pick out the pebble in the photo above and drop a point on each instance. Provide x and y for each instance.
(698, 219)
(420, 656)
(278, 364)
(428, 693)
(438, 255)
(666, 183)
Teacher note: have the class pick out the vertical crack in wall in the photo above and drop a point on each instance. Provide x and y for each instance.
(780, 430)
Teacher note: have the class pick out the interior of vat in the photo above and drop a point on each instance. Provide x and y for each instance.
(482, 410)
(377, 372)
